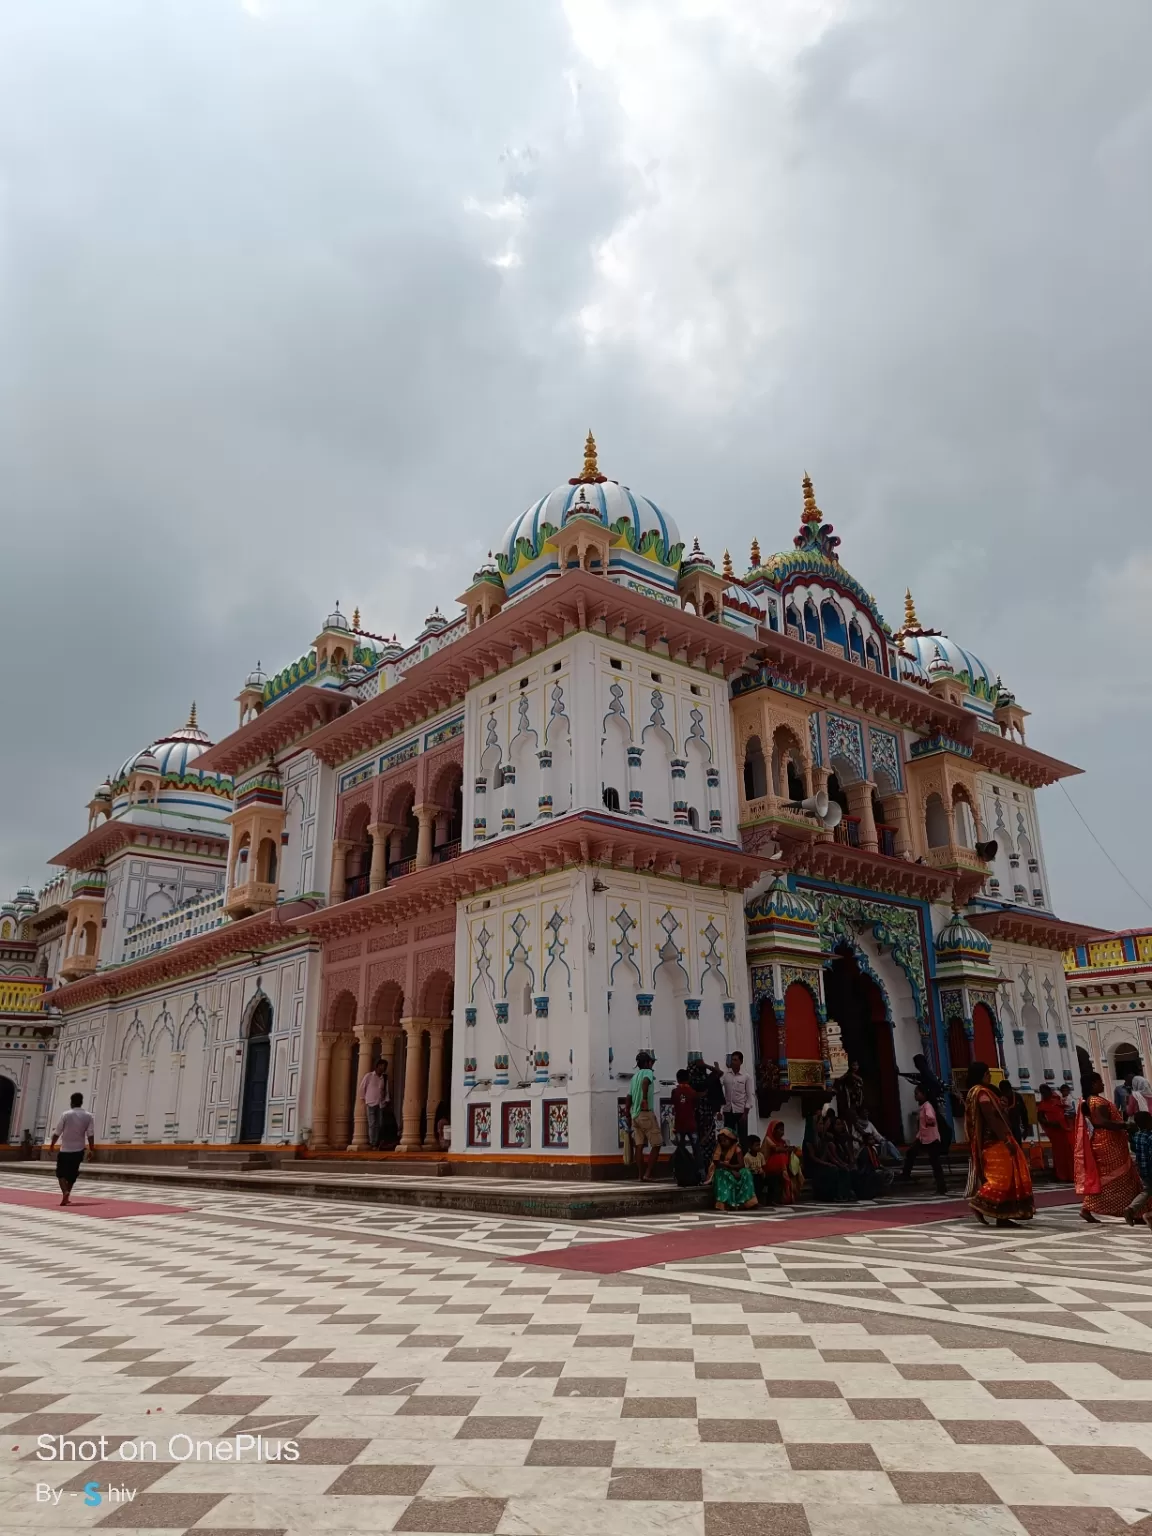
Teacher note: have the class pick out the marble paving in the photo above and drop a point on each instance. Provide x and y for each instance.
(249, 1364)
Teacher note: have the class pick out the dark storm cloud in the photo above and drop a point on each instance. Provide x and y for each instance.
(310, 306)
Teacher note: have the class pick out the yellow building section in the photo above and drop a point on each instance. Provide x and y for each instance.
(1108, 955)
(22, 996)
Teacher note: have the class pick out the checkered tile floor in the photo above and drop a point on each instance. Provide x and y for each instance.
(430, 1383)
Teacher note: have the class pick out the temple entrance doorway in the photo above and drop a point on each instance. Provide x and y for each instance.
(254, 1099)
(857, 1004)
(7, 1103)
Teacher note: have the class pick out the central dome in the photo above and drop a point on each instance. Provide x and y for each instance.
(639, 523)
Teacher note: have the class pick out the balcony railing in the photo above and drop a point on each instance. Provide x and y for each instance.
(355, 885)
(445, 852)
(886, 840)
(401, 867)
(157, 933)
(848, 831)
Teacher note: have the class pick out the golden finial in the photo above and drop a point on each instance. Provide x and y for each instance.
(811, 512)
(911, 622)
(191, 725)
(727, 569)
(754, 554)
(590, 474)
(355, 618)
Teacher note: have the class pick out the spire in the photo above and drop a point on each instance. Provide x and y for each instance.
(811, 512)
(911, 622)
(355, 618)
(590, 474)
(727, 570)
(191, 725)
(754, 554)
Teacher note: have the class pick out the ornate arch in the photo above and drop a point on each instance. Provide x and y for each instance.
(850, 946)
(896, 929)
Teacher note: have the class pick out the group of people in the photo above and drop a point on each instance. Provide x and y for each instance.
(710, 1107)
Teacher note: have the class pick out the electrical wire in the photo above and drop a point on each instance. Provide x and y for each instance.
(1104, 850)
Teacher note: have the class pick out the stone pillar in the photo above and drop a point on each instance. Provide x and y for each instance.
(426, 815)
(340, 850)
(896, 809)
(341, 1086)
(359, 1143)
(390, 1050)
(380, 832)
(437, 1029)
(860, 805)
(410, 1139)
(320, 1092)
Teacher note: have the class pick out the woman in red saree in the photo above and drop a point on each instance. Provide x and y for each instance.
(1050, 1113)
(1106, 1176)
(999, 1183)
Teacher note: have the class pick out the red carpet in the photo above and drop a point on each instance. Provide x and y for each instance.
(105, 1209)
(612, 1258)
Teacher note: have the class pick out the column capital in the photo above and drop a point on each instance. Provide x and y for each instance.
(364, 1032)
(438, 1028)
(344, 843)
(381, 829)
(412, 1023)
(427, 810)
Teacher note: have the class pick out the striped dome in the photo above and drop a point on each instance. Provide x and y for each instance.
(608, 502)
(172, 756)
(941, 657)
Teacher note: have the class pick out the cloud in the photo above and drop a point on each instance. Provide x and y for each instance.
(313, 308)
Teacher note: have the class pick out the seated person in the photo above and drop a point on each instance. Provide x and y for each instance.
(731, 1182)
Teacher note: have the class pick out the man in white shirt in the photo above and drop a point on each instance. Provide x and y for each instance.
(737, 1086)
(374, 1091)
(76, 1126)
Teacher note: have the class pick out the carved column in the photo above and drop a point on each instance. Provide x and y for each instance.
(340, 850)
(390, 1050)
(437, 1030)
(860, 804)
(320, 1092)
(410, 1139)
(379, 832)
(359, 1143)
(896, 809)
(426, 815)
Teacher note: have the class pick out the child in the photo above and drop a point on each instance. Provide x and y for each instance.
(1141, 1137)
(754, 1162)
(684, 1101)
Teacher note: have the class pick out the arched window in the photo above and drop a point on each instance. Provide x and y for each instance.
(755, 770)
(856, 643)
(801, 1025)
(694, 818)
(984, 1047)
(611, 798)
(835, 792)
(872, 652)
(811, 623)
(833, 623)
(794, 621)
(266, 862)
(936, 822)
(963, 822)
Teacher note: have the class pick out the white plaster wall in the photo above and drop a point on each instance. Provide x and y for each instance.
(1004, 807)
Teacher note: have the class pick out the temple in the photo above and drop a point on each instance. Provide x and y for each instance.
(617, 797)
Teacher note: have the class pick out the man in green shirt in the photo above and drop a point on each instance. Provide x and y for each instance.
(646, 1129)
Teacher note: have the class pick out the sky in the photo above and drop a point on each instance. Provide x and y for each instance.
(306, 300)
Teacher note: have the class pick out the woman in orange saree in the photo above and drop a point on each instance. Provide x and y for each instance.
(1050, 1113)
(1106, 1176)
(999, 1182)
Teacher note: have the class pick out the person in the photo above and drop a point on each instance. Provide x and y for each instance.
(869, 1180)
(776, 1156)
(1013, 1111)
(646, 1128)
(731, 1182)
(1106, 1177)
(1141, 1137)
(1139, 1096)
(374, 1091)
(850, 1094)
(684, 1101)
(885, 1150)
(823, 1168)
(754, 1161)
(1122, 1089)
(999, 1181)
(710, 1100)
(927, 1140)
(75, 1127)
(938, 1097)
(1053, 1117)
(737, 1087)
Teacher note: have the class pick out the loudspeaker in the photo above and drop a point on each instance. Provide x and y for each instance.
(817, 804)
(833, 817)
(987, 851)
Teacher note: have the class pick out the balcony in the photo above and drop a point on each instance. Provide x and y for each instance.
(953, 856)
(185, 922)
(445, 852)
(886, 841)
(23, 995)
(251, 896)
(356, 885)
(847, 831)
(400, 867)
(76, 966)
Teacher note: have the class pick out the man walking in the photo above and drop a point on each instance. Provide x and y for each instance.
(927, 1140)
(737, 1087)
(374, 1091)
(646, 1129)
(76, 1126)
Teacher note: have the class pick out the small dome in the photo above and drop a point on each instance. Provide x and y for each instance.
(780, 902)
(103, 791)
(959, 938)
(25, 896)
(256, 678)
(8, 909)
(940, 657)
(434, 621)
(336, 620)
(391, 650)
(144, 762)
(696, 560)
(356, 673)
(173, 755)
